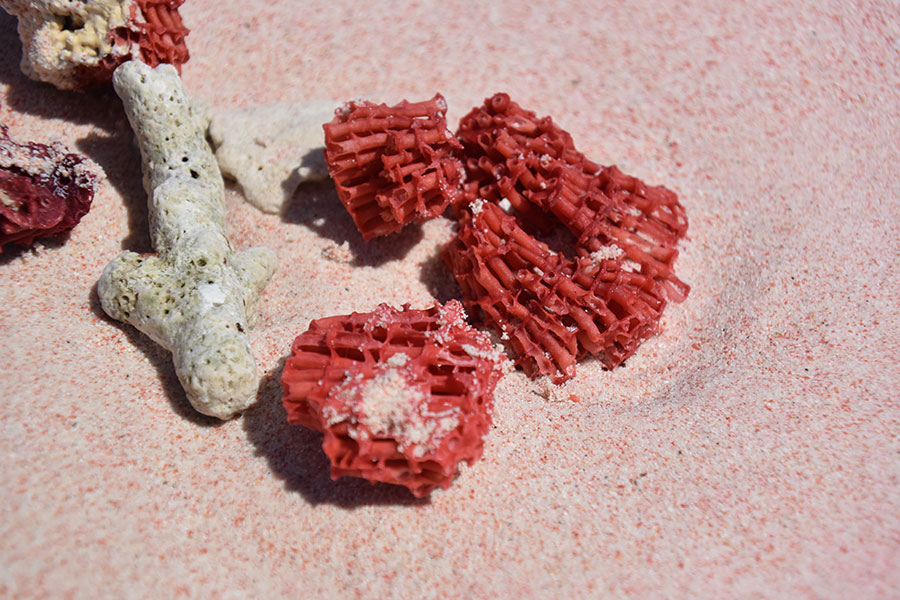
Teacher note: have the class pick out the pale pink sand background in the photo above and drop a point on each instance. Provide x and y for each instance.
(750, 450)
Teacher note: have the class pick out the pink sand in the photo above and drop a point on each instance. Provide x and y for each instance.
(750, 450)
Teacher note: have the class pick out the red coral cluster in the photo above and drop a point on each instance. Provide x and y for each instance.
(603, 300)
(44, 190)
(155, 26)
(402, 396)
(551, 309)
(392, 165)
(511, 153)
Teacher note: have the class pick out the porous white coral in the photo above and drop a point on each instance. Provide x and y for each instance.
(61, 38)
(270, 150)
(197, 296)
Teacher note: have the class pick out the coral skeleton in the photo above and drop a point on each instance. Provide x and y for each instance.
(270, 150)
(74, 45)
(392, 165)
(196, 297)
(602, 294)
(44, 190)
(511, 153)
(402, 396)
(552, 310)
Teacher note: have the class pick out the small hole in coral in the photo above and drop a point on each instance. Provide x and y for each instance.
(195, 174)
(71, 24)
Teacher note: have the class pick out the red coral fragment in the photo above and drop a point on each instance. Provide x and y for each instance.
(44, 190)
(402, 396)
(392, 165)
(162, 33)
(552, 310)
(607, 295)
(511, 153)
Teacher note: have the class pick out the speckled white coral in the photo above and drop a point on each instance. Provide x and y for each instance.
(270, 150)
(60, 38)
(197, 296)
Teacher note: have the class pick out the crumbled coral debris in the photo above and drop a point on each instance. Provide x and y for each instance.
(44, 190)
(392, 165)
(402, 396)
(523, 177)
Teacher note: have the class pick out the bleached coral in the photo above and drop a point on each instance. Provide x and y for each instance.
(197, 296)
(270, 150)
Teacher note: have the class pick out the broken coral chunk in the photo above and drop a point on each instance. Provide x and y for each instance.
(511, 153)
(605, 207)
(392, 165)
(44, 190)
(270, 150)
(552, 310)
(402, 396)
(73, 45)
(196, 297)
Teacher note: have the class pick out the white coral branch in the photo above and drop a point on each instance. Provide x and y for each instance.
(196, 297)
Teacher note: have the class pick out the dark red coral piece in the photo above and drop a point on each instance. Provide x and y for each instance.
(552, 310)
(392, 165)
(511, 153)
(44, 190)
(402, 396)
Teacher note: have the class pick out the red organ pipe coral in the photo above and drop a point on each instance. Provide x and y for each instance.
(511, 153)
(603, 300)
(552, 310)
(402, 396)
(392, 165)
(162, 33)
(44, 190)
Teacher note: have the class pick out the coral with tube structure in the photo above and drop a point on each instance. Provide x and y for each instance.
(552, 310)
(392, 165)
(607, 294)
(511, 153)
(197, 296)
(74, 45)
(402, 396)
(44, 190)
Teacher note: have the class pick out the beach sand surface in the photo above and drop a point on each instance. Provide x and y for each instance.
(749, 450)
